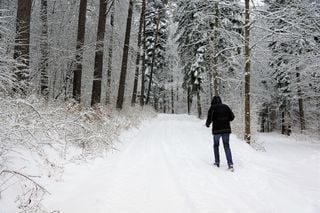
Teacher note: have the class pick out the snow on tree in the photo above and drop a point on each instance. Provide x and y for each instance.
(7, 77)
(294, 46)
(217, 26)
(22, 43)
(156, 40)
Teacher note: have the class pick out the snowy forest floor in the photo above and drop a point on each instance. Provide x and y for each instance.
(166, 165)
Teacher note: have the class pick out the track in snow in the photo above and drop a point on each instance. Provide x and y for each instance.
(167, 166)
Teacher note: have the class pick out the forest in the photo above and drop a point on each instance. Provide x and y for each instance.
(173, 56)
(81, 71)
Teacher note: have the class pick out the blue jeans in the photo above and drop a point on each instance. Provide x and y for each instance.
(225, 140)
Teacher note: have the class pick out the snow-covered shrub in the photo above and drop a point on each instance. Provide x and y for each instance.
(37, 139)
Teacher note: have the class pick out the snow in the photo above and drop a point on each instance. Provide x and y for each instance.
(166, 165)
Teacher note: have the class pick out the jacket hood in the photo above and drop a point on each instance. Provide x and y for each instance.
(216, 100)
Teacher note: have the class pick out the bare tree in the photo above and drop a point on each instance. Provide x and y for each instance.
(189, 99)
(300, 101)
(44, 49)
(172, 97)
(110, 52)
(164, 98)
(143, 67)
(215, 43)
(199, 104)
(153, 57)
(98, 61)
(136, 76)
(247, 54)
(22, 40)
(124, 65)
(80, 42)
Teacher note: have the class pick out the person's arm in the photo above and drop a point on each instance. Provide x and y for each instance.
(209, 117)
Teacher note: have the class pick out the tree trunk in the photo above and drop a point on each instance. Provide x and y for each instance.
(189, 100)
(110, 54)
(262, 125)
(211, 84)
(273, 119)
(136, 76)
(301, 115)
(22, 41)
(98, 60)
(143, 68)
(177, 94)
(44, 49)
(301, 108)
(77, 73)
(247, 50)
(199, 104)
(215, 57)
(164, 102)
(289, 119)
(268, 120)
(172, 100)
(156, 104)
(286, 119)
(283, 126)
(153, 57)
(125, 58)
(262, 117)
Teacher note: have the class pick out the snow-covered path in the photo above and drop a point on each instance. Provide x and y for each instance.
(166, 166)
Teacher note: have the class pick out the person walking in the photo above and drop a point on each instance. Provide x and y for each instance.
(220, 116)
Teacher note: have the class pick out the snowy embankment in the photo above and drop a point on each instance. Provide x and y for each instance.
(38, 140)
(166, 166)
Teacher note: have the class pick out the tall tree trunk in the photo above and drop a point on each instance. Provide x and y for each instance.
(211, 84)
(273, 119)
(215, 79)
(301, 114)
(289, 119)
(172, 99)
(77, 73)
(262, 123)
(199, 104)
(164, 102)
(98, 60)
(110, 54)
(247, 51)
(268, 121)
(136, 75)
(283, 125)
(44, 49)
(125, 58)
(189, 99)
(153, 57)
(143, 67)
(54, 82)
(177, 94)
(286, 119)
(22, 41)
(301, 108)
(156, 103)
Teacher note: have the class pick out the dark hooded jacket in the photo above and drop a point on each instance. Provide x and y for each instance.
(220, 116)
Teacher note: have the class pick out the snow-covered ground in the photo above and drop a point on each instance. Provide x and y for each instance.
(166, 166)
